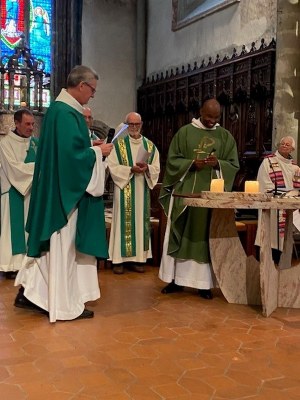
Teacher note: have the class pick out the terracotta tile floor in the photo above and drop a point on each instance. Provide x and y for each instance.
(143, 345)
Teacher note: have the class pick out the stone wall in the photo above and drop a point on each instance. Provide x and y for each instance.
(218, 33)
(287, 93)
(109, 46)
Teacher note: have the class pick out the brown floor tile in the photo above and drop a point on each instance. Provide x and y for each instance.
(143, 345)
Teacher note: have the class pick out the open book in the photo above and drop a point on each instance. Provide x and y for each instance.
(142, 155)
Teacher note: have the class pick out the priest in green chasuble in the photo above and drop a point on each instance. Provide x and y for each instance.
(199, 152)
(66, 223)
(17, 156)
(134, 167)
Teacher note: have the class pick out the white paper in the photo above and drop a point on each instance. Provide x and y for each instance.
(142, 155)
(119, 131)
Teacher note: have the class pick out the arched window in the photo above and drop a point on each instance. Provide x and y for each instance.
(27, 23)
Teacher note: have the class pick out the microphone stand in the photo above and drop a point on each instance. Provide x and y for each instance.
(276, 194)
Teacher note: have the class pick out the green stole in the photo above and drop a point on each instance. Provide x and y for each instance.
(127, 199)
(16, 208)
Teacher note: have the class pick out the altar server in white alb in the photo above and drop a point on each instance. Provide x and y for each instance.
(17, 156)
(278, 170)
(134, 167)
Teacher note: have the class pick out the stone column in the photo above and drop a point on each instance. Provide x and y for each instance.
(6, 123)
(141, 41)
(287, 81)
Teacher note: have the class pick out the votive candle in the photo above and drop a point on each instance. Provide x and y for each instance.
(217, 185)
(251, 187)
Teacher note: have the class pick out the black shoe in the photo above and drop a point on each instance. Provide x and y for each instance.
(172, 288)
(205, 294)
(118, 269)
(137, 268)
(22, 302)
(86, 314)
(11, 274)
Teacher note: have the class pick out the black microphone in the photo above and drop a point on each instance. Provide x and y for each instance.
(273, 170)
(109, 138)
(110, 135)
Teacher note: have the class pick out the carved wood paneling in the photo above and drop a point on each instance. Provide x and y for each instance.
(243, 84)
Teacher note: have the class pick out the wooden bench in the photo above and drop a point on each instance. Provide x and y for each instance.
(248, 230)
(245, 228)
(155, 241)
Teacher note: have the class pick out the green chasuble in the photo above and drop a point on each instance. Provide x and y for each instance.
(190, 225)
(63, 169)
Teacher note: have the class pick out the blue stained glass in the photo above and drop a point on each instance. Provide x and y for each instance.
(40, 31)
(38, 27)
(32, 18)
(12, 25)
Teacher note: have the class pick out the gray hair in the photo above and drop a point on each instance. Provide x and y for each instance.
(132, 113)
(292, 140)
(81, 73)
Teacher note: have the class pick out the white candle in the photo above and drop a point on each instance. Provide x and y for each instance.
(217, 185)
(251, 187)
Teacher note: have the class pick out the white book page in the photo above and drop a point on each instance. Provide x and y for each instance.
(142, 155)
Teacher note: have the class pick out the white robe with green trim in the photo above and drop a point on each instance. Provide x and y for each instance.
(13, 172)
(121, 175)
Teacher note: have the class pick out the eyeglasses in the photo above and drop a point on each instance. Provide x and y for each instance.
(285, 144)
(91, 87)
(133, 125)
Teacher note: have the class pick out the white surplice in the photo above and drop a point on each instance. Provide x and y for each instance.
(13, 172)
(187, 273)
(289, 170)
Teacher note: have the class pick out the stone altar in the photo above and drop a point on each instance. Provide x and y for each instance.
(242, 279)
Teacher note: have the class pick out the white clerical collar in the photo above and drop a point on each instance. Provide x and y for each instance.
(283, 159)
(135, 140)
(18, 138)
(65, 97)
(198, 124)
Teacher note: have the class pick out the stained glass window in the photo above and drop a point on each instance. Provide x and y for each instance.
(29, 21)
(40, 31)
